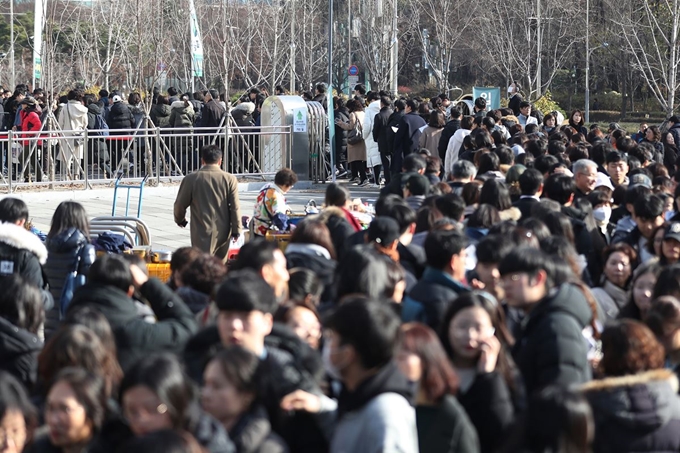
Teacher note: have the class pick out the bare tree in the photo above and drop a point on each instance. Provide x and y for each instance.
(528, 41)
(650, 36)
(442, 27)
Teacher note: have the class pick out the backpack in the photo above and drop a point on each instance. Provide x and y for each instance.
(100, 126)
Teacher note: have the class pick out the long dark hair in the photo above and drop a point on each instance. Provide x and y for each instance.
(90, 391)
(496, 194)
(163, 375)
(362, 270)
(69, 214)
(495, 311)
(240, 367)
(13, 397)
(631, 310)
(313, 231)
(77, 346)
(557, 421)
(438, 378)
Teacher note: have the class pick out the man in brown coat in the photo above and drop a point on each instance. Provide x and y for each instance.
(212, 195)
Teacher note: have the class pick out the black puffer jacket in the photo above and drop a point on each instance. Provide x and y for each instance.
(136, 338)
(450, 129)
(488, 403)
(395, 119)
(636, 413)
(23, 253)
(120, 117)
(19, 351)
(551, 348)
(195, 300)
(253, 434)
(212, 114)
(160, 115)
(380, 129)
(116, 435)
(289, 365)
(341, 135)
(211, 435)
(63, 252)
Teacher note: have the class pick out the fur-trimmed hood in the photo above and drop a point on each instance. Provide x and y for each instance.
(20, 238)
(512, 213)
(641, 401)
(330, 211)
(179, 105)
(632, 379)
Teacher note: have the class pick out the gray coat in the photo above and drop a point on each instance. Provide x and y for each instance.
(387, 423)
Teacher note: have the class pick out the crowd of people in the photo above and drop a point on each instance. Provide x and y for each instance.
(517, 290)
(109, 114)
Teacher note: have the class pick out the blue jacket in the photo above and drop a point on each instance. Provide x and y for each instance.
(430, 298)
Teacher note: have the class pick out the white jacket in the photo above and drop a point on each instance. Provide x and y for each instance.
(455, 142)
(372, 151)
(72, 117)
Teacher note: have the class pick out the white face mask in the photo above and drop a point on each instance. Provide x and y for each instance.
(602, 214)
(331, 369)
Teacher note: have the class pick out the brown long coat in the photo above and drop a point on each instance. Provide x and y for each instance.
(212, 195)
(355, 152)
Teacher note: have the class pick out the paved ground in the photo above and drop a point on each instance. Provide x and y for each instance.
(156, 207)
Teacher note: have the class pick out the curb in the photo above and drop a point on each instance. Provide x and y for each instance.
(256, 186)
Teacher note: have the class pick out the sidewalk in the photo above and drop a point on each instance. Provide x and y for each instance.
(157, 207)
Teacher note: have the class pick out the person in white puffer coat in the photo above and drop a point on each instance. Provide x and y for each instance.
(372, 152)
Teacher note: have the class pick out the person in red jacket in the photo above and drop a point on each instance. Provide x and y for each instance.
(30, 123)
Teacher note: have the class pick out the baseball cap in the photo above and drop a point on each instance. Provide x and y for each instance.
(640, 179)
(672, 231)
(117, 98)
(417, 184)
(603, 181)
(383, 230)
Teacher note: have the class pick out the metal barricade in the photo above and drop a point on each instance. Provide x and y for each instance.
(320, 165)
(80, 159)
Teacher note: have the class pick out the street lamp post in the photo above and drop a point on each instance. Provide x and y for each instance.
(292, 47)
(12, 80)
(394, 51)
(539, 47)
(587, 96)
(589, 53)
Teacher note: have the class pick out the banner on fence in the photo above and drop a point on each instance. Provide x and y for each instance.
(491, 94)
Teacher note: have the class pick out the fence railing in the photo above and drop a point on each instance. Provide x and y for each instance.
(88, 157)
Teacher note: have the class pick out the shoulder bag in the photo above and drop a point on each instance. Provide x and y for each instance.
(74, 280)
(356, 135)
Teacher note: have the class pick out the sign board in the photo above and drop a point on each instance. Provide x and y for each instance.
(491, 94)
(196, 42)
(352, 80)
(353, 70)
(300, 120)
(37, 68)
